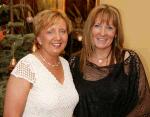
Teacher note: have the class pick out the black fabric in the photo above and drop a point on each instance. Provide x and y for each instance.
(117, 94)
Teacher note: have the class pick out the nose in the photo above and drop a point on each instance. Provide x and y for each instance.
(58, 36)
(103, 31)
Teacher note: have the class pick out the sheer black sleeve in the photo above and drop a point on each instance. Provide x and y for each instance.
(74, 65)
(142, 108)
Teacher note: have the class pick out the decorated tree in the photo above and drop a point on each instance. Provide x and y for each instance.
(16, 39)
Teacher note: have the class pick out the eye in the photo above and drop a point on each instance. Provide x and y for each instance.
(50, 31)
(63, 31)
(97, 26)
(110, 27)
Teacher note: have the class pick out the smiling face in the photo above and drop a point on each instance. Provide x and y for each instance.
(103, 34)
(53, 39)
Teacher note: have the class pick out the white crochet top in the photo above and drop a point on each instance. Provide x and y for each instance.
(47, 97)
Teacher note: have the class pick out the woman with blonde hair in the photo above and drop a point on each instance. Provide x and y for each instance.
(41, 84)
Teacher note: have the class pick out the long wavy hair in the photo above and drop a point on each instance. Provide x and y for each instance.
(105, 13)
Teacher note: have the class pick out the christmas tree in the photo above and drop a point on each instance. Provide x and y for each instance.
(16, 39)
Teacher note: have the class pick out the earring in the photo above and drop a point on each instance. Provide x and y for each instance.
(34, 47)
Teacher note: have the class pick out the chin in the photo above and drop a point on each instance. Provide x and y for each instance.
(58, 52)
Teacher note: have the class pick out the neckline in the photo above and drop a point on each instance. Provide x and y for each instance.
(98, 67)
(45, 60)
(49, 72)
(101, 67)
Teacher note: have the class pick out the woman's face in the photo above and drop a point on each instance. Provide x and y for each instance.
(103, 34)
(54, 38)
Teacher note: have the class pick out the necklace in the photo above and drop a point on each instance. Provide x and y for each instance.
(52, 65)
(100, 60)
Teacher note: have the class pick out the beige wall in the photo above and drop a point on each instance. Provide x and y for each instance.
(136, 22)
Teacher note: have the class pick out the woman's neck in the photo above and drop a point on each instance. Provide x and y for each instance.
(49, 57)
(102, 53)
(101, 57)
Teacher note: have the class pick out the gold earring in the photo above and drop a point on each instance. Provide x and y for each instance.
(34, 47)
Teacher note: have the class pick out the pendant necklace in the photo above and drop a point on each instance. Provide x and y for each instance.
(100, 60)
(52, 65)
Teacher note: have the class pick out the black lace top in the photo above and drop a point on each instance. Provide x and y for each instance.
(118, 90)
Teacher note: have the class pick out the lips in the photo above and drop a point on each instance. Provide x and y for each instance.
(101, 39)
(56, 45)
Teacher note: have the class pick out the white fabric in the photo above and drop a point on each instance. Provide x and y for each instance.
(48, 97)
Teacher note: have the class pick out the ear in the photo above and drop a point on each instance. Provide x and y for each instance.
(39, 40)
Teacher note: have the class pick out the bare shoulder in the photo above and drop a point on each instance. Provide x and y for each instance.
(130, 53)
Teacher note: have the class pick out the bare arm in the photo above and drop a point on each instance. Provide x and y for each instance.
(16, 96)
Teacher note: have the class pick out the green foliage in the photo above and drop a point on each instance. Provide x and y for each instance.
(16, 45)
(15, 24)
(13, 45)
(2, 95)
(3, 8)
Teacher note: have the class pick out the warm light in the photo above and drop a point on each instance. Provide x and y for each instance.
(29, 18)
(79, 37)
(97, 2)
(63, 8)
(13, 62)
